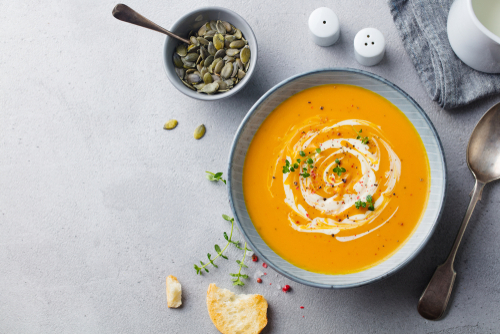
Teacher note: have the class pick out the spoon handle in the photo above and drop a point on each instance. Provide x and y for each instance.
(435, 297)
(125, 13)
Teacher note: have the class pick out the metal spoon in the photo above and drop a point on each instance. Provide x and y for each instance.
(483, 159)
(125, 13)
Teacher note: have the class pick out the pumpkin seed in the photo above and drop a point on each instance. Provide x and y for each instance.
(230, 38)
(193, 78)
(232, 52)
(240, 63)
(203, 71)
(192, 47)
(208, 61)
(245, 54)
(220, 54)
(241, 74)
(207, 78)
(227, 26)
(213, 25)
(238, 34)
(218, 41)
(178, 61)
(210, 34)
(180, 72)
(219, 66)
(221, 29)
(199, 132)
(170, 124)
(194, 41)
(211, 49)
(181, 50)
(222, 85)
(235, 70)
(237, 44)
(210, 88)
(191, 56)
(227, 70)
(199, 86)
(203, 52)
(202, 40)
(202, 30)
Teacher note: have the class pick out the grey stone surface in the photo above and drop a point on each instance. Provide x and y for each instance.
(99, 204)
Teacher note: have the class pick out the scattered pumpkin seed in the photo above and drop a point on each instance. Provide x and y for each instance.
(170, 124)
(199, 132)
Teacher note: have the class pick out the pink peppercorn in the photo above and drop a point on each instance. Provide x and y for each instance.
(264, 265)
(286, 288)
(259, 280)
(255, 258)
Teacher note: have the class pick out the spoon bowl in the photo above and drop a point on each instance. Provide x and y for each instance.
(483, 151)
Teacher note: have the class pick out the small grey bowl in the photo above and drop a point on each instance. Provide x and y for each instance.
(193, 21)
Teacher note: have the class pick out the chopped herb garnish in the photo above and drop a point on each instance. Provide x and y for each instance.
(339, 170)
(369, 200)
(309, 161)
(305, 175)
(318, 150)
(359, 204)
(215, 177)
(337, 161)
(302, 154)
(364, 140)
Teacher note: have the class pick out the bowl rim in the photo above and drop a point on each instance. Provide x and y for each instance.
(215, 97)
(417, 107)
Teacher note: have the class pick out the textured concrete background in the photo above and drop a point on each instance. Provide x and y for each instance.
(99, 204)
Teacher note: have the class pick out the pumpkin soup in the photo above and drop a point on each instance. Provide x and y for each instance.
(336, 179)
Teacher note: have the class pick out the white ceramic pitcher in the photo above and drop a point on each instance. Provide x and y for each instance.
(472, 41)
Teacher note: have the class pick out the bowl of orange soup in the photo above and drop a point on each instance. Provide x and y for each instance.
(337, 178)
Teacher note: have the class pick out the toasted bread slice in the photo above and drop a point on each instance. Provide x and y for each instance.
(174, 292)
(236, 314)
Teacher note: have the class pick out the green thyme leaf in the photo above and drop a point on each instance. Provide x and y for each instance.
(339, 170)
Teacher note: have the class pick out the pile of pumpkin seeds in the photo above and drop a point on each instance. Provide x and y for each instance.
(216, 60)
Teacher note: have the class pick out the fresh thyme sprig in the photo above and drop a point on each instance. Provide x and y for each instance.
(217, 249)
(215, 176)
(364, 140)
(237, 277)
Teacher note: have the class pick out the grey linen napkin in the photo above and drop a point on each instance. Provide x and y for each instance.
(422, 27)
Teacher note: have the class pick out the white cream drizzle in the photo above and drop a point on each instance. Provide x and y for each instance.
(366, 185)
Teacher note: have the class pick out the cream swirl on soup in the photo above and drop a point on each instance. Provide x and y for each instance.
(337, 176)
